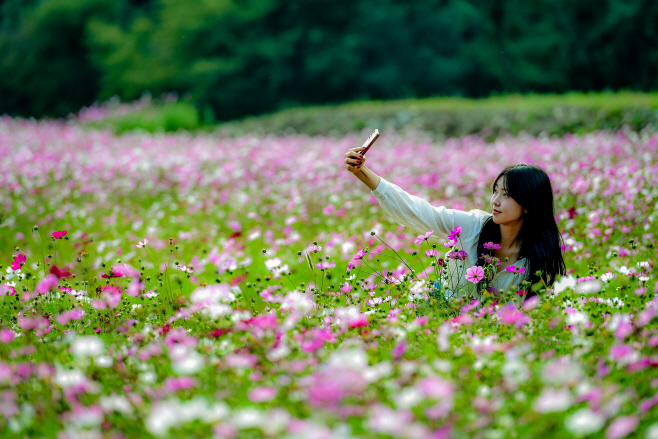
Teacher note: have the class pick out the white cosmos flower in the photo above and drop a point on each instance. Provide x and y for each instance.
(584, 422)
(607, 277)
(553, 401)
(563, 283)
(87, 346)
(188, 365)
(142, 244)
(272, 263)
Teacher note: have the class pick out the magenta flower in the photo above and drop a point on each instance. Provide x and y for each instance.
(454, 234)
(491, 246)
(424, 237)
(521, 270)
(511, 269)
(6, 335)
(346, 288)
(460, 255)
(399, 350)
(431, 253)
(474, 274)
(59, 235)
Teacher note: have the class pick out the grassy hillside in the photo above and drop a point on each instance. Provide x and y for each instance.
(454, 116)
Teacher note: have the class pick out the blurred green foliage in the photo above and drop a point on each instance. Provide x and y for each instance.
(168, 116)
(243, 57)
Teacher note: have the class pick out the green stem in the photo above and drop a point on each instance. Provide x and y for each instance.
(43, 255)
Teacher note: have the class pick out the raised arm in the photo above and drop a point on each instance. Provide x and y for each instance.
(411, 211)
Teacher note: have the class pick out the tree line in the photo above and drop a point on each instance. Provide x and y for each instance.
(240, 57)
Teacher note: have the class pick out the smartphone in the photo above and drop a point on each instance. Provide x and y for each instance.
(369, 141)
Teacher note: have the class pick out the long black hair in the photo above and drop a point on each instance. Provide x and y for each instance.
(541, 240)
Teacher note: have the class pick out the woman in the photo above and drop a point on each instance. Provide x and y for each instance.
(521, 221)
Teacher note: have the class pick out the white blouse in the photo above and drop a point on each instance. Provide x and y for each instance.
(416, 213)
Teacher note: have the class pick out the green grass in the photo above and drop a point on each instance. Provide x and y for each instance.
(455, 116)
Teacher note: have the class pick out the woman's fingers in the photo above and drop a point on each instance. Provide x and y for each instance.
(354, 160)
(354, 163)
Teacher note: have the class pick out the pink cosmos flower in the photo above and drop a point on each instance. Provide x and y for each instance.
(142, 244)
(59, 235)
(511, 269)
(509, 315)
(431, 253)
(424, 237)
(622, 427)
(359, 255)
(521, 270)
(315, 248)
(346, 288)
(436, 388)
(474, 274)
(399, 350)
(46, 284)
(350, 265)
(262, 394)
(450, 243)
(6, 335)
(325, 265)
(491, 246)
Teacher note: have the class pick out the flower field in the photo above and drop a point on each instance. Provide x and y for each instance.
(171, 285)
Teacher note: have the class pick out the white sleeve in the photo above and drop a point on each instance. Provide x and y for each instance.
(416, 213)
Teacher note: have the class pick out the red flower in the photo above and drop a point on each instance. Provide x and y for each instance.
(60, 273)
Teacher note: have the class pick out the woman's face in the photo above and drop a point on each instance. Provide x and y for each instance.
(505, 210)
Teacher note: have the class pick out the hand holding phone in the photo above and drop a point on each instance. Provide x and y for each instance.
(369, 141)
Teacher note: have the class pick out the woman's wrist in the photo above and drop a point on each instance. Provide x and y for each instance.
(368, 177)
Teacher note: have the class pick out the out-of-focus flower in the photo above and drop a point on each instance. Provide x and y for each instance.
(563, 283)
(47, 284)
(622, 427)
(59, 235)
(315, 248)
(551, 400)
(142, 244)
(262, 394)
(87, 346)
(584, 422)
(491, 246)
(272, 263)
(589, 287)
(6, 335)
